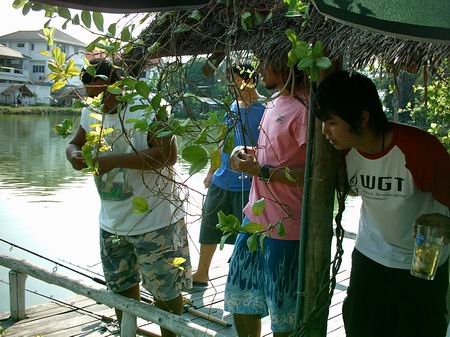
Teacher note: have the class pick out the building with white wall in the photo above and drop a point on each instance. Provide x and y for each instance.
(29, 44)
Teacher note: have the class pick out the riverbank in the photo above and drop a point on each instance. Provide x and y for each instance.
(36, 110)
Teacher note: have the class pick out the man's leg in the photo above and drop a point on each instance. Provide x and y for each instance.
(174, 306)
(134, 293)
(244, 292)
(206, 255)
(156, 251)
(217, 199)
(369, 309)
(247, 325)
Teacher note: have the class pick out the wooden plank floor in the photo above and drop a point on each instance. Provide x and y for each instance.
(84, 317)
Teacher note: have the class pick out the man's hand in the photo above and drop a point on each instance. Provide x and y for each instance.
(207, 180)
(434, 220)
(244, 162)
(105, 163)
(77, 160)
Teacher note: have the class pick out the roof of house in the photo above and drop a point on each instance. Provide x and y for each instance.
(33, 35)
(21, 88)
(8, 52)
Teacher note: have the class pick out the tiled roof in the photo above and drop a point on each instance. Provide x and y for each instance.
(33, 35)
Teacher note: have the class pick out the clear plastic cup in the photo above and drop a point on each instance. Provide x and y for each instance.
(427, 251)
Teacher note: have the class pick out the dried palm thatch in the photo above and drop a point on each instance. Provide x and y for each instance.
(259, 26)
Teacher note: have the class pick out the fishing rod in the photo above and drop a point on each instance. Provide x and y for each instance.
(98, 280)
(93, 278)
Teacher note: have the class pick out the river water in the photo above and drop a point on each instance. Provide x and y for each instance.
(51, 209)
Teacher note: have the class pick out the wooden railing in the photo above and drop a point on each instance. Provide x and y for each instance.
(20, 269)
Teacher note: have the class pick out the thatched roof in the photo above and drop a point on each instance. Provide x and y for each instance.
(220, 29)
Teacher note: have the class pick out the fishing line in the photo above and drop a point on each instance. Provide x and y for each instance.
(93, 278)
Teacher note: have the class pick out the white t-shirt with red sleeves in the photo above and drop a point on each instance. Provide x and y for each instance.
(283, 131)
(409, 178)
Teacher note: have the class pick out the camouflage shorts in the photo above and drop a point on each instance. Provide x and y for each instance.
(151, 255)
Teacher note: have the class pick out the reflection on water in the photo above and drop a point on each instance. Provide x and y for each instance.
(32, 157)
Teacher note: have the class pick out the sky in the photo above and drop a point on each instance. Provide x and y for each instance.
(12, 20)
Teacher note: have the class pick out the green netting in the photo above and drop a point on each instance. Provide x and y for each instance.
(415, 19)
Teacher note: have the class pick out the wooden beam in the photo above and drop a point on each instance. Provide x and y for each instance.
(17, 294)
(178, 324)
(320, 232)
(128, 326)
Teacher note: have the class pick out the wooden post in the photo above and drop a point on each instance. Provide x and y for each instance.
(319, 231)
(17, 294)
(128, 326)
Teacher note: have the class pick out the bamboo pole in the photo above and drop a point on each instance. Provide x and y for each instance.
(178, 324)
(320, 231)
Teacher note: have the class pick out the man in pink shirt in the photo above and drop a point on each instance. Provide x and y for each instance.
(265, 281)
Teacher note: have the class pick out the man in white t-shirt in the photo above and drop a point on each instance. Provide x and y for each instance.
(134, 167)
(402, 175)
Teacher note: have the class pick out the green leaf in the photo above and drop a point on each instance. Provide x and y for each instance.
(64, 128)
(252, 228)
(258, 18)
(64, 13)
(215, 159)
(125, 34)
(140, 205)
(229, 144)
(86, 18)
(323, 62)
(289, 176)
(269, 16)
(98, 20)
(91, 70)
(138, 107)
(19, 3)
(115, 90)
(57, 86)
(156, 101)
(78, 104)
(112, 29)
(129, 82)
(258, 207)
(223, 239)
(261, 242)
(142, 89)
(26, 8)
(45, 53)
(305, 63)
(154, 47)
(182, 28)
(196, 15)
(291, 35)
(252, 243)
(280, 229)
(301, 50)
(197, 156)
(76, 20)
(228, 223)
(317, 50)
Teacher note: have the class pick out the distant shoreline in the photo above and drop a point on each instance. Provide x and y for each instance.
(37, 110)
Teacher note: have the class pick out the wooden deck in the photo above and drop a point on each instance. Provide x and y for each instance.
(83, 317)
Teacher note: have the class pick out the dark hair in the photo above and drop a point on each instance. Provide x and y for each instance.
(347, 96)
(246, 71)
(279, 65)
(102, 67)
